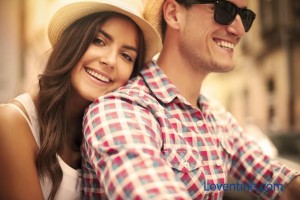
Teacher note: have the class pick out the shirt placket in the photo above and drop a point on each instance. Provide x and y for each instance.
(207, 128)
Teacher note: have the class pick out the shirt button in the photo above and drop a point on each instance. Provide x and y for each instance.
(200, 123)
(187, 164)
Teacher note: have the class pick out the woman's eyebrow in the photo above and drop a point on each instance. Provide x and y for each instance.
(130, 48)
(109, 37)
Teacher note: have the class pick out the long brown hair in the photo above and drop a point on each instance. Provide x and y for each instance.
(55, 88)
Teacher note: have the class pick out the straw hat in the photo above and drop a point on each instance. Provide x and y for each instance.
(153, 13)
(131, 8)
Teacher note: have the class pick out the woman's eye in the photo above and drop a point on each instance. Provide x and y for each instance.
(99, 42)
(127, 57)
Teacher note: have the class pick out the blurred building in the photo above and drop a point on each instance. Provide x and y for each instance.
(24, 45)
(264, 88)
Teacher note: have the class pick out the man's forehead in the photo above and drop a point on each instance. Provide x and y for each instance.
(240, 3)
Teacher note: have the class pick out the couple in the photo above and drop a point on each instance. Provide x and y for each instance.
(156, 137)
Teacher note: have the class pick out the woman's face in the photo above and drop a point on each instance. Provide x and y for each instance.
(109, 60)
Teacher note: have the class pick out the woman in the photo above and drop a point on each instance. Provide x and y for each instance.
(97, 47)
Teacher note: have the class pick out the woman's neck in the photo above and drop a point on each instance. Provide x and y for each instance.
(75, 107)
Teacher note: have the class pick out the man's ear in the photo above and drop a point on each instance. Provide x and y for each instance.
(172, 13)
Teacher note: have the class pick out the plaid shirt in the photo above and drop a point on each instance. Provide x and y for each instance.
(145, 141)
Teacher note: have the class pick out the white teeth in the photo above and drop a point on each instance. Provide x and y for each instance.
(224, 44)
(97, 76)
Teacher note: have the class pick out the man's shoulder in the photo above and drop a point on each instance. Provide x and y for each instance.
(135, 92)
(134, 89)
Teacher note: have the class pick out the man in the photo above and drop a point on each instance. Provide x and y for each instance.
(157, 138)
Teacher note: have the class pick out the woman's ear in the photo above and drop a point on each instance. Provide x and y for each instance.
(172, 12)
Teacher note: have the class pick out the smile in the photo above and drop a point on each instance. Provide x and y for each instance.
(226, 45)
(97, 75)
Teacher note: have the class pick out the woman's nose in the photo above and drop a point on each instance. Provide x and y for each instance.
(109, 58)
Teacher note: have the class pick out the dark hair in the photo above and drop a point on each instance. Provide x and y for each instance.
(185, 3)
(55, 88)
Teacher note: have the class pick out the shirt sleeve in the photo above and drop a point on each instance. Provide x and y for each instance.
(252, 167)
(122, 143)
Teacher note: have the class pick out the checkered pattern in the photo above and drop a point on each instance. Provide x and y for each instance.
(145, 141)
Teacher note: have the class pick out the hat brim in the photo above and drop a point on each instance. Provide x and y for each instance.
(72, 12)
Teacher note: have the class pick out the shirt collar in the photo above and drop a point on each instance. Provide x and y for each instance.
(163, 89)
(159, 83)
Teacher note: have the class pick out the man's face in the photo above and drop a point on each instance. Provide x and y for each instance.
(205, 43)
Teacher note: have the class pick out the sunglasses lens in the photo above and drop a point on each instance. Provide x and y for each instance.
(225, 12)
(247, 17)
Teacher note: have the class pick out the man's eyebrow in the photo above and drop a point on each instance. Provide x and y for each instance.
(108, 36)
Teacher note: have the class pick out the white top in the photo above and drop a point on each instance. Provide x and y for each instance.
(71, 182)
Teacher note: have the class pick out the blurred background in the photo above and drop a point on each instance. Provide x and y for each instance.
(263, 92)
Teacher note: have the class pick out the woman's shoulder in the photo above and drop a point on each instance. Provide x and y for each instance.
(14, 123)
(10, 113)
(17, 150)
(15, 108)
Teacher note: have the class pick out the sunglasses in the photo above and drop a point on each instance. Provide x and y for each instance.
(226, 11)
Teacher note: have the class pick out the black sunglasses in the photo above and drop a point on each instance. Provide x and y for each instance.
(226, 11)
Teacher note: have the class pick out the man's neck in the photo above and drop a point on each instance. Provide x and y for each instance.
(187, 80)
